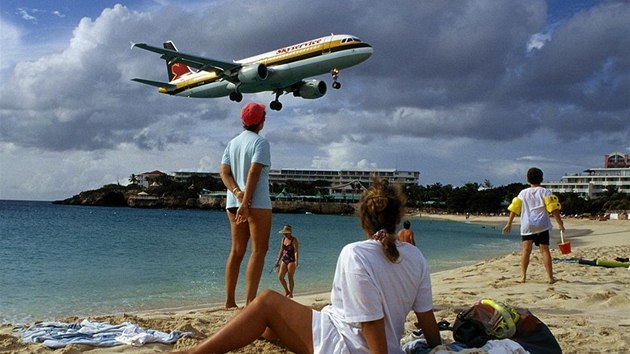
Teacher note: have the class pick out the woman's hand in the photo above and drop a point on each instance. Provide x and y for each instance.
(242, 213)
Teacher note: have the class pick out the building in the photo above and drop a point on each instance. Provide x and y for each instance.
(343, 181)
(340, 181)
(149, 179)
(594, 182)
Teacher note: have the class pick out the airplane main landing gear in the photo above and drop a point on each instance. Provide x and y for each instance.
(276, 105)
(236, 96)
(335, 75)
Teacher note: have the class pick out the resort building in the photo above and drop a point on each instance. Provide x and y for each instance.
(339, 181)
(343, 181)
(594, 182)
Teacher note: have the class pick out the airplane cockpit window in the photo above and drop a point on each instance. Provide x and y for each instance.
(350, 39)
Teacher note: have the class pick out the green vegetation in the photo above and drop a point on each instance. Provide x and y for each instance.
(471, 198)
(474, 198)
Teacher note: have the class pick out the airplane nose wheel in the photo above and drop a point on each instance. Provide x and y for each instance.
(236, 96)
(335, 76)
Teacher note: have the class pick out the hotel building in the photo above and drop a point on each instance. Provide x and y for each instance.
(594, 182)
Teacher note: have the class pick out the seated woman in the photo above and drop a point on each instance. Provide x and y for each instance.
(377, 282)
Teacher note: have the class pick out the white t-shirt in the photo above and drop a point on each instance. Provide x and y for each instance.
(368, 287)
(534, 215)
(245, 149)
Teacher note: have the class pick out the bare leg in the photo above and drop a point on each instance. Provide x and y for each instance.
(281, 273)
(259, 228)
(546, 256)
(525, 253)
(239, 235)
(288, 319)
(291, 267)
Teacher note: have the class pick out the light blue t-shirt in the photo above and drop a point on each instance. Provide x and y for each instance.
(245, 149)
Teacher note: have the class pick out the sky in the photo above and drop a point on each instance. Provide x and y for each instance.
(461, 91)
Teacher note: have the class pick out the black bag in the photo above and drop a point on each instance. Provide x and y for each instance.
(470, 326)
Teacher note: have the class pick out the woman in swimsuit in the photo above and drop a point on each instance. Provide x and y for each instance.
(289, 256)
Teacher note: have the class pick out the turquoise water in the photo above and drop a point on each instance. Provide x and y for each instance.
(58, 260)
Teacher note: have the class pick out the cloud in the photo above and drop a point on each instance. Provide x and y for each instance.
(459, 91)
(26, 14)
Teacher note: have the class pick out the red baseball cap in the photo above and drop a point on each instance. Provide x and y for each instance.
(252, 113)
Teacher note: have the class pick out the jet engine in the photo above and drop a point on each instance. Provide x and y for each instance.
(311, 89)
(253, 73)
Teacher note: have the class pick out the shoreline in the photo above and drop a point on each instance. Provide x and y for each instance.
(585, 310)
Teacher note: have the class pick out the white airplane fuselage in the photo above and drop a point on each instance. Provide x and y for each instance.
(281, 70)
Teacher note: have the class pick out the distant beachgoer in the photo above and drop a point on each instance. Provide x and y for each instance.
(406, 234)
(289, 255)
(245, 172)
(534, 204)
(377, 283)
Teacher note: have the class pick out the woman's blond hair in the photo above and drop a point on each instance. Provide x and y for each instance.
(381, 207)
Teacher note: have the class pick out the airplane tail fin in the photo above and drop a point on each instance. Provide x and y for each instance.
(175, 70)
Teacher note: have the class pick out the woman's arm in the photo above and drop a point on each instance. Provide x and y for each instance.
(429, 327)
(228, 181)
(374, 334)
(279, 252)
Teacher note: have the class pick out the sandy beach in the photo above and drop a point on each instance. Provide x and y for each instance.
(586, 309)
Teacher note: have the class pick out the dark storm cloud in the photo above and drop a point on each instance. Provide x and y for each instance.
(440, 69)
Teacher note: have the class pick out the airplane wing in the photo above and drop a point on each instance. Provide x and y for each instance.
(155, 83)
(197, 62)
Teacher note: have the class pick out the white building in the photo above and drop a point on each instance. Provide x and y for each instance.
(343, 181)
(594, 182)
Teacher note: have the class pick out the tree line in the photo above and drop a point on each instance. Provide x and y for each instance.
(472, 198)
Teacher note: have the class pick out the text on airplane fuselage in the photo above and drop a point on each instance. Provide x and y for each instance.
(299, 46)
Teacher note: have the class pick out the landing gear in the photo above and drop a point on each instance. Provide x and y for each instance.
(236, 96)
(276, 105)
(335, 75)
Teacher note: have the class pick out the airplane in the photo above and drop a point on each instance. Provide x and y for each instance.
(280, 71)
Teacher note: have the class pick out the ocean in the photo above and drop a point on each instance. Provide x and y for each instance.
(60, 260)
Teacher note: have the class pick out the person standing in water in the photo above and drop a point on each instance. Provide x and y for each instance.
(245, 172)
(289, 255)
(406, 234)
(377, 282)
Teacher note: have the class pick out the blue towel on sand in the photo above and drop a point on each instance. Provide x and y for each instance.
(59, 334)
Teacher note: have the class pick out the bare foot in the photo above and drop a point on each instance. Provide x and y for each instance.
(523, 280)
(552, 281)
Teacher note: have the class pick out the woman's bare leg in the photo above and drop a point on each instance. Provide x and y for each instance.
(291, 267)
(281, 274)
(259, 229)
(239, 235)
(289, 321)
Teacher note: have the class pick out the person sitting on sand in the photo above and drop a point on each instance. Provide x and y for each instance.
(377, 282)
(289, 255)
(406, 234)
(534, 205)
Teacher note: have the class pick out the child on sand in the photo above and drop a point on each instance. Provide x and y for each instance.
(534, 204)
(289, 255)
